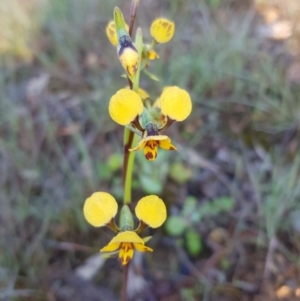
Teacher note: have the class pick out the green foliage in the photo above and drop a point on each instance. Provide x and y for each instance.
(180, 173)
(213, 3)
(108, 169)
(175, 225)
(152, 176)
(115, 162)
(193, 242)
(193, 213)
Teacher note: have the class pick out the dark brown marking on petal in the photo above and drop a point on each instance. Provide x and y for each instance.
(133, 69)
(126, 247)
(172, 148)
(149, 156)
(150, 144)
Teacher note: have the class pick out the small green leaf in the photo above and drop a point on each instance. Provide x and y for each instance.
(175, 225)
(225, 264)
(193, 242)
(151, 185)
(115, 162)
(151, 76)
(179, 173)
(223, 204)
(104, 172)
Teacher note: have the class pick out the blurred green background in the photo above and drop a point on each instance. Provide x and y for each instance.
(232, 189)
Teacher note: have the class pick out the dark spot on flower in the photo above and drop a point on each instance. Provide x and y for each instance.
(149, 156)
(151, 129)
(125, 42)
(151, 144)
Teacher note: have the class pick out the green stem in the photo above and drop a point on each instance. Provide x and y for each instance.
(152, 45)
(129, 135)
(128, 165)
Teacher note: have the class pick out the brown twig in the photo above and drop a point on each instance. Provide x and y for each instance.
(124, 282)
(133, 10)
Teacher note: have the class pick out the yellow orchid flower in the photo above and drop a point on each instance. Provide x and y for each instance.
(128, 55)
(127, 242)
(100, 209)
(162, 30)
(151, 143)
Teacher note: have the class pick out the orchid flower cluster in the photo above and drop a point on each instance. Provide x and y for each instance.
(132, 108)
(100, 210)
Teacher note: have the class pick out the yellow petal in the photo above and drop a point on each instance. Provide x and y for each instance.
(140, 145)
(128, 57)
(111, 247)
(151, 210)
(175, 103)
(166, 144)
(125, 106)
(150, 150)
(100, 208)
(162, 30)
(152, 55)
(142, 248)
(156, 103)
(127, 236)
(126, 252)
(143, 94)
(111, 33)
